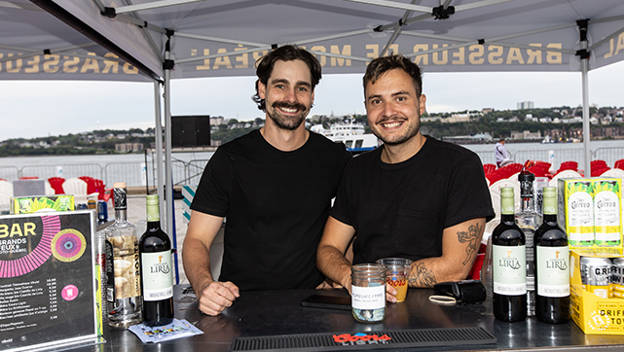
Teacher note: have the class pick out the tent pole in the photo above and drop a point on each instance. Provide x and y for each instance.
(168, 161)
(586, 125)
(584, 53)
(159, 146)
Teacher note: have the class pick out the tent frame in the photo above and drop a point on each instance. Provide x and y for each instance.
(424, 12)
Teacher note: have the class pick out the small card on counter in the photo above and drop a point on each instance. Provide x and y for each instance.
(155, 334)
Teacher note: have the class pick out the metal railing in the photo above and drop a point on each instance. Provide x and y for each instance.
(608, 154)
(189, 172)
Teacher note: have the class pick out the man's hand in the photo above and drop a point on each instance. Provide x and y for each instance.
(391, 293)
(217, 296)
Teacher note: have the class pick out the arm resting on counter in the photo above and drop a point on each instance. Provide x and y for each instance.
(330, 256)
(460, 244)
(213, 296)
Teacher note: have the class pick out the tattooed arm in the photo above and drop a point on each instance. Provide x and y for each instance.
(459, 249)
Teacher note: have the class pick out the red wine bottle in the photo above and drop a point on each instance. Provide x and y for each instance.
(157, 269)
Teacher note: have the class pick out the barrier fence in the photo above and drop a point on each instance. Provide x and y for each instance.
(608, 154)
(133, 173)
(189, 172)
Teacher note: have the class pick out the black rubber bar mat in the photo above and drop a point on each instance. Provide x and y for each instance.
(370, 340)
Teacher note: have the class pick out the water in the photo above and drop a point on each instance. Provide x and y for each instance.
(187, 167)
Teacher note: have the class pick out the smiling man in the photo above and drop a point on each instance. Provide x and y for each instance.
(273, 186)
(414, 197)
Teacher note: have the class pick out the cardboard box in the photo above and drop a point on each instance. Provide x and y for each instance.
(590, 212)
(36, 204)
(576, 211)
(607, 194)
(592, 313)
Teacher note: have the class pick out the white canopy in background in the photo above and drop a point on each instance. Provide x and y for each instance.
(225, 37)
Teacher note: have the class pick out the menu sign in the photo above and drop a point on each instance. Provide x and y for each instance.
(47, 286)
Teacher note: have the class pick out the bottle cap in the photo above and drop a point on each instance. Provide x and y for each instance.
(526, 176)
(550, 191)
(152, 199)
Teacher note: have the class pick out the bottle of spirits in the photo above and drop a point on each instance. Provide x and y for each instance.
(123, 289)
(509, 264)
(528, 220)
(156, 269)
(552, 259)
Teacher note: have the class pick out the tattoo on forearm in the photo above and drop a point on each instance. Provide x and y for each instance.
(421, 276)
(472, 237)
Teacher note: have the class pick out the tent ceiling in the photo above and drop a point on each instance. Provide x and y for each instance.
(27, 30)
(225, 37)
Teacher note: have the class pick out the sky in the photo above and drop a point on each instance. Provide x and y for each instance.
(48, 108)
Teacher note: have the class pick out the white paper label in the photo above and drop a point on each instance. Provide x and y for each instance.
(553, 271)
(372, 297)
(157, 276)
(509, 270)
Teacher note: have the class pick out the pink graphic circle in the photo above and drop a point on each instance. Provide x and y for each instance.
(69, 292)
(39, 255)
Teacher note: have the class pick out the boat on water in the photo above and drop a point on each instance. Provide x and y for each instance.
(351, 134)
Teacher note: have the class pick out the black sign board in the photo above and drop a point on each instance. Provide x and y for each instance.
(47, 284)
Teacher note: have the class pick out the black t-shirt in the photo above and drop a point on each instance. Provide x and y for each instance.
(275, 204)
(401, 210)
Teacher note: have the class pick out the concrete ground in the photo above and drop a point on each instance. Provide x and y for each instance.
(137, 216)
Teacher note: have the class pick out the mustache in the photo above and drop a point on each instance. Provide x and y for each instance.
(390, 118)
(284, 104)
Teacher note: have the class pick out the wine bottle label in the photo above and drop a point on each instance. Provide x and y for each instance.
(371, 297)
(509, 270)
(157, 276)
(553, 271)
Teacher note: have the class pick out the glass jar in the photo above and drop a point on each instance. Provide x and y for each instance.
(368, 292)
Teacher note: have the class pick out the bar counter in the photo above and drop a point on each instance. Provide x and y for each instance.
(280, 313)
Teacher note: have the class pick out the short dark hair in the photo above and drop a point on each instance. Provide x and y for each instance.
(382, 64)
(264, 66)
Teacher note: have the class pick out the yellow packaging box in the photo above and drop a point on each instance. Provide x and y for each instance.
(590, 212)
(607, 194)
(576, 211)
(592, 313)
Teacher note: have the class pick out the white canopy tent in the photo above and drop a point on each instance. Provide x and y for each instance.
(161, 40)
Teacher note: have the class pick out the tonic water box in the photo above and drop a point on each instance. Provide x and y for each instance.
(36, 204)
(576, 211)
(592, 313)
(607, 194)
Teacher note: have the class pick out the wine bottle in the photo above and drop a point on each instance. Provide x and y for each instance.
(509, 264)
(155, 249)
(553, 272)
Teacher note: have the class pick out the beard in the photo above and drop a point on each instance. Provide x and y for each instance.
(287, 122)
(411, 131)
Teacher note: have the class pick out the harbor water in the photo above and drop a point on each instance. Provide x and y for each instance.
(187, 167)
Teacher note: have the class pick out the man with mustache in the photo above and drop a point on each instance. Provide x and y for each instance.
(414, 197)
(273, 185)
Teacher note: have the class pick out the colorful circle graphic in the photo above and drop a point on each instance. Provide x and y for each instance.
(69, 292)
(38, 256)
(68, 245)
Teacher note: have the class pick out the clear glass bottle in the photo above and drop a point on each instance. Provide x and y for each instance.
(368, 292)
(528, 220)
(123, 291)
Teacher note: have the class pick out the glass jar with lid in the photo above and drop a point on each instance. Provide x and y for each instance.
(368, 292)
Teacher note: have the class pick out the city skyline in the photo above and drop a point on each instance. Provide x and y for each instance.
(42, 108)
